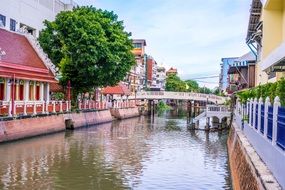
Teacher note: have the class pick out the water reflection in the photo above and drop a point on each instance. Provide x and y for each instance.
(138, 153)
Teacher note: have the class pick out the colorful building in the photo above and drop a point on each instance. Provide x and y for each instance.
(225, 65)
(266, 38)
(135, 79)
(151, 69)
(241, 74)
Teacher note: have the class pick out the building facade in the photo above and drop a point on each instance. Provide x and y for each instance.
(31, 13)
(151, 70)
(266, 38)
(241, 74)
(225, 65)
(136, 78)
(161, 77)
(25, 77)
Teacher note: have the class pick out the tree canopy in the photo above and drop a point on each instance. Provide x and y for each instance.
(175, 84)
(192, 85)
(89, 46)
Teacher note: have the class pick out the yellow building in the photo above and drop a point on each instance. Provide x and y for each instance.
(266, 37)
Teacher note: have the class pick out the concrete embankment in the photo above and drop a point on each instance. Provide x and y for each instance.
(123, 113)
(247, 169)
(29, 127)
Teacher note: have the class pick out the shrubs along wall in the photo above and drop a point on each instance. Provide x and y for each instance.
(270, 90)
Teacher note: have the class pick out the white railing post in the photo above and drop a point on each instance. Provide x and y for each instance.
(250, 111)
(246, 108)
(67, 106)
(266, 105)
(43, 107)
(35, 108)
(275, 118)
(259, 114)
(254, 111)
(53, 107)
(47, 103)
(10, 109)
(25, 108)
(60, 106)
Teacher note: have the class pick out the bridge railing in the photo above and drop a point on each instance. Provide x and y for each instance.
(215, 108)
(185, 95)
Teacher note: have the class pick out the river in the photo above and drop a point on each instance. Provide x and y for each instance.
(140, 153)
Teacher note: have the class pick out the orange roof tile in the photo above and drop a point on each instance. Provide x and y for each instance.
(119, 89)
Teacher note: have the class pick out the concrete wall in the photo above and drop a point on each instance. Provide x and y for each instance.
(125, 113)
(23, 128)
(247, 169)
(271, 155)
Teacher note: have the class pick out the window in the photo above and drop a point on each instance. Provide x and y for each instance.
(138, 45)
(3, 20)
(12, 25)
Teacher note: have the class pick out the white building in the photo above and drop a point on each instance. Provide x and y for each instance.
(160, 77)
(15, 14)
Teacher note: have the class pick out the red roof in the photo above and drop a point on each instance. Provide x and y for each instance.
(21, 59)
(55, 87)
(119, 89)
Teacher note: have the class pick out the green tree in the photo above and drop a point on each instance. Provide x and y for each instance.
(281, 91)
(175, 84)
(205, 90)
(193, 86)
(89, 46)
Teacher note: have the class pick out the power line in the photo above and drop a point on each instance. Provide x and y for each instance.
(206, 82)
(205, 77)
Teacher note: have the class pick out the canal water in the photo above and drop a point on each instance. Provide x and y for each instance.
(141, 153)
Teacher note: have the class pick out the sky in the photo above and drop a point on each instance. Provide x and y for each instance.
(190, 35)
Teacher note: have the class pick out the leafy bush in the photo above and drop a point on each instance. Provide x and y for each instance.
(270, 90)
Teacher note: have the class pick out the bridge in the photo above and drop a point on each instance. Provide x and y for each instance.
(165, 95)
(216, 113)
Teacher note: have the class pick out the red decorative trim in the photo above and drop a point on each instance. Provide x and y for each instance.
(22, 67)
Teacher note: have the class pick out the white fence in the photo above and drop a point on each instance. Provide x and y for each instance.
(263, 124)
